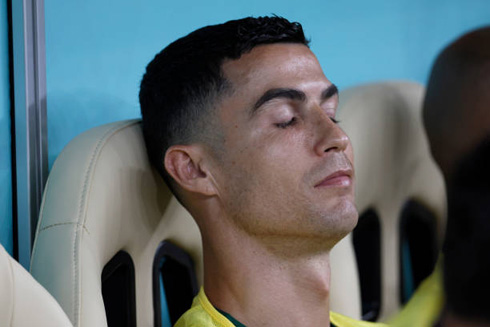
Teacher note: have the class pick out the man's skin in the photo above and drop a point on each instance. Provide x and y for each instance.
(280, 194)
(457, 114)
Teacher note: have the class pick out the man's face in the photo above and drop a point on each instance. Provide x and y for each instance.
(286, 169)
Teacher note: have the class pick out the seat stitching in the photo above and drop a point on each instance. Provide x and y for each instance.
(63, 224)
(82, 203)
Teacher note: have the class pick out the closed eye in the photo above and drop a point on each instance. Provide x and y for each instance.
(291, 122)
(335, 121)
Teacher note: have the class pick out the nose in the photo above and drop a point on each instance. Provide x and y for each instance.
(328, 135)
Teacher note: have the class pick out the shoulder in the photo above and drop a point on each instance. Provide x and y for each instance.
(194, 317)
(202, 314)
(425, 306)
(338, 320)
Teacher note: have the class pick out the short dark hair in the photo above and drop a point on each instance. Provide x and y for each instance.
(467, 243)
(183, 83)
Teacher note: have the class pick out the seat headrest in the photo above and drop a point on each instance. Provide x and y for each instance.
(393, 165)
(103, 196)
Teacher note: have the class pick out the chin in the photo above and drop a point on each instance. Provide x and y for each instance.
(342, 219)
(350, 213)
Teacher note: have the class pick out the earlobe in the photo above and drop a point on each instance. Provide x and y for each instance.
(185, 164)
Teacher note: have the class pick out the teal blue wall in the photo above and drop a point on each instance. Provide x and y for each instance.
(97, 50)
(5, 164)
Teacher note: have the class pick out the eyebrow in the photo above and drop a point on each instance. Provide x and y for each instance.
(291, 94)
(284, 93)
(329, 92)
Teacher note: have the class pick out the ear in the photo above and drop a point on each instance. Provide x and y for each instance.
(185, 163)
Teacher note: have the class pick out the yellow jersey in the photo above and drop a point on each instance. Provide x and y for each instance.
(203, 314)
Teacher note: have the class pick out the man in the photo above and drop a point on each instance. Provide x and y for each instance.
(456, 108)
(240, 121)
(456, 116)
(457, 120)
(467, 244)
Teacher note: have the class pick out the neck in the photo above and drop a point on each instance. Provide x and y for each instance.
(259, 285)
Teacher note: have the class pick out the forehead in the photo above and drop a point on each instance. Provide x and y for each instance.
(275, 65)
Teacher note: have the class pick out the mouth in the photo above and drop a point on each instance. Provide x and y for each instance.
(340, 178)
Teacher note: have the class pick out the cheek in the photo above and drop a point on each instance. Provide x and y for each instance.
(266, 157)
(263, 168)
(285, 147)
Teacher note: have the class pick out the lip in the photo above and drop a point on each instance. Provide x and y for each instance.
(340, 178)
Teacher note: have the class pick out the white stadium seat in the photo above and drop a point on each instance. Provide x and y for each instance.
(393, 166)
(102, 197)
(23, 302)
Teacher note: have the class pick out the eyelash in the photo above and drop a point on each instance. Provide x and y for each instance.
(293, 121)
(287, 124)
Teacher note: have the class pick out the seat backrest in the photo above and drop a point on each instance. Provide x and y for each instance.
(399, 192)
(104, 214)
(23, 302)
